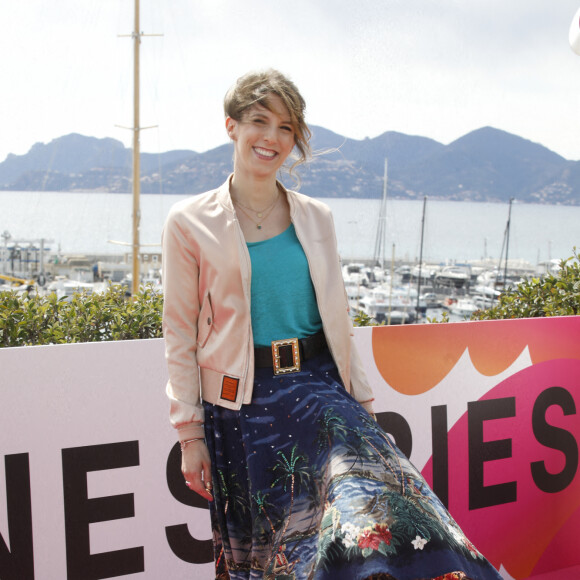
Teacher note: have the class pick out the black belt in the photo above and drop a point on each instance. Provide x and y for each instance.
(285, 355)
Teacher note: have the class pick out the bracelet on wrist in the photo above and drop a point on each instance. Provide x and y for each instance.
(183, 444)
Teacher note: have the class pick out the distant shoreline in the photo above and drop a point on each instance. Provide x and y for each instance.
(485, 165)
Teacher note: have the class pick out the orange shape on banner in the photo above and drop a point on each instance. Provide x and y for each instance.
(414, 359)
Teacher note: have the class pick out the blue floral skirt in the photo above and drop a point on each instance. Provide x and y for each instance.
(307, 486)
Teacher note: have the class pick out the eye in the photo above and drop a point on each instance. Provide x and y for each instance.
(288, 128)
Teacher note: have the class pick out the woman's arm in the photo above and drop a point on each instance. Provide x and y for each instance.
(180, 314)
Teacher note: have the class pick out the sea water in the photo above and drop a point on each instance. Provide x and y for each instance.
(89, 223)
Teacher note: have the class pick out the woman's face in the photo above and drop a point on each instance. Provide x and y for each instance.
(263, 139)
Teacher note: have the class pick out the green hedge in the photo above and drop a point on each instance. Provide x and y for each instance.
(35, 320)
(551, 295)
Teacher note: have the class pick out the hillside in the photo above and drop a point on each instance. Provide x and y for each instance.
(485, 165)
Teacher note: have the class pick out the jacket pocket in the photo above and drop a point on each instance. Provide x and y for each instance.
(204, 321)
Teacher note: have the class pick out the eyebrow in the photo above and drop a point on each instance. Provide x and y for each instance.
(259, 113)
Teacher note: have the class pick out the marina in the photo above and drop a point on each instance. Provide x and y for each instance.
(399, 296)
(396, 292)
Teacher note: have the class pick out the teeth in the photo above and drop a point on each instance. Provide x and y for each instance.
(265, 152)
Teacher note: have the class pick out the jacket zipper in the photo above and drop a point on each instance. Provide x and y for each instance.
(248, 296)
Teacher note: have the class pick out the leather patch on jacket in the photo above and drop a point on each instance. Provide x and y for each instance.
(230, 389)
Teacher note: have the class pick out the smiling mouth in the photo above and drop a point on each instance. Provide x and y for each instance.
(265, 152)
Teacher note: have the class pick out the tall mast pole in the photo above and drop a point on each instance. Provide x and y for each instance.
(136, 128)
(136, 155)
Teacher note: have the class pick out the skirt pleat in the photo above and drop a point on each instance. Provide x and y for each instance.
(307, 486)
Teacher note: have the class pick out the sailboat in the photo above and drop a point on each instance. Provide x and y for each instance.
(386, 303)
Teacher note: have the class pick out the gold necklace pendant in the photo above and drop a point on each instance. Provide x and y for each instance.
(259, 212)
(267, 212)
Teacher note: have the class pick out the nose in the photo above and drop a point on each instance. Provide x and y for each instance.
(269, 134)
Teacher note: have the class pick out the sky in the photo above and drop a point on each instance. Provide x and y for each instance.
(434, 68)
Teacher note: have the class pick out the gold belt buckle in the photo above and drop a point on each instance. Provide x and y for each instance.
(286, 343)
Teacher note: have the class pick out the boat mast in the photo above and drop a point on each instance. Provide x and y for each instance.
(421, 255)
(507, 244)
(382, 227)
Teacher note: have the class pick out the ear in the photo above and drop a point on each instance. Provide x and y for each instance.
(231, 126)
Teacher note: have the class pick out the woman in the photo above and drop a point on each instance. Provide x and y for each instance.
(269, 397)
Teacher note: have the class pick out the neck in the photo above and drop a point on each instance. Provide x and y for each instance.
(253, 192)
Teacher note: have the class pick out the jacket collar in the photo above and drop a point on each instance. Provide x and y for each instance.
(223, 195)
(225, 198)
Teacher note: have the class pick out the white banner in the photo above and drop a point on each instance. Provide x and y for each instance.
(90, 481)
(90, 485)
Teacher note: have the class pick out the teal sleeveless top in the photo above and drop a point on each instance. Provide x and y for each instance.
(283, 299)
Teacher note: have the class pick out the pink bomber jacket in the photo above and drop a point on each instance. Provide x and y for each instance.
(206, 316)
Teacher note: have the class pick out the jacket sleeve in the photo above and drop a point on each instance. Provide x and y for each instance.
(180, 314)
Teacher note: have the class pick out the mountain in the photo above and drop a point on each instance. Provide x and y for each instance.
(76, 154)
(485, 165)
(489, 164)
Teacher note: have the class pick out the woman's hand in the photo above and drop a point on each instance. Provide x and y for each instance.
(196, 468)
